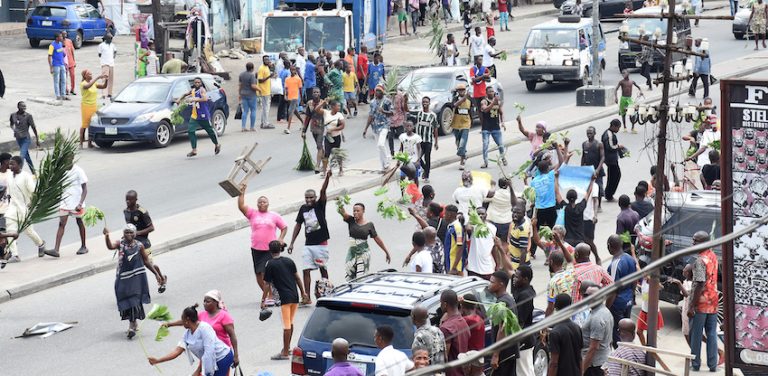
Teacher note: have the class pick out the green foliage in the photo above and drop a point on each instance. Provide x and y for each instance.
(338, 156)
(529, 194)
(176, 118)
(402, 157)
(554, 139)
(159, 312)
(715, 145)
(42, 136)
(436, 32)
(690, 152)
(381, 191)
(626, 238)
(520, 172)
(503, 56)
(162, 332)
(501, 315)
(391, 210)
(479, 228)
(305, 162)
(342, 200)
(545, 233)
(392, 78)
(519, 107)
(92, 216)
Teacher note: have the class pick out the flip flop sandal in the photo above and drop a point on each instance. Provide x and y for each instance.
(131, 333)
(191, 154)
(279, 356)
(217, 149)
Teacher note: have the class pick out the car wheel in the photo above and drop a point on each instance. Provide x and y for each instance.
(163, 134)
(446, 118)
(34, 43)
(78, 42)
(104, 144)
(219, 122)
(584, 77)
(530, 85)
(738, 36)
(540, 360)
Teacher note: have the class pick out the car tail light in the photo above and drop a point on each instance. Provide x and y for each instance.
(29, 21)
(65, 23)
(297, 361)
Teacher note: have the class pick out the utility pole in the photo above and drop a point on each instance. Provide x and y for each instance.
(595, 72)
(157, 24)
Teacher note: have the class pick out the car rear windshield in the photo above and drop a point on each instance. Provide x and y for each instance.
(357, 326)
(686, 222)
(649, 25)
(144, 92)
(50, 12)
(551, 38)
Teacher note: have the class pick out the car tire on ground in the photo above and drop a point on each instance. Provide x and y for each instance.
(163, 134)
(104, 144)
(446, 117)
(738, 36)
(78, 42)
(219, 122)
(540, 360)
(34, 43)
(584, 77)
(530, 85)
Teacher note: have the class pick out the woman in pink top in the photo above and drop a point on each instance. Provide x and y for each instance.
(264, 226)
(216, 315)
(536, 138)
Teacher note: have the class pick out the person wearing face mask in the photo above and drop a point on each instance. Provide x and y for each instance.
(107, 53)
(200, 116)
(200, 340)
(359, 256)
(131, 288)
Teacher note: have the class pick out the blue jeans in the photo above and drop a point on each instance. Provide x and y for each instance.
(224, 365)
(24, 151)
(734, 6)
(249, 110)
(503, 21)
(699, 323)
(461, 136)
(486, 142)
(59, 80)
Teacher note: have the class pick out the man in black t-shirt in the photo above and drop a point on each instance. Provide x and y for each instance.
(524, 294)
(710, 172)
(312, 216)
(281, 274)
(564, 343)
(139, 217)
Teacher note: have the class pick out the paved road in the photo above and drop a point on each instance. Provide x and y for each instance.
(223, 263)
(168, 183)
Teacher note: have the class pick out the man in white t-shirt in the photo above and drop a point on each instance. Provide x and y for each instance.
(468, 194)
(489, 52)
(476, 44)
(72, 204)
(709, 134)
(410, 143)
(590, 220)
(390, 361)
(107, 54)
(480, 260)
(421, 261)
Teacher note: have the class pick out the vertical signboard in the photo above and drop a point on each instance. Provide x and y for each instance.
(744, 182)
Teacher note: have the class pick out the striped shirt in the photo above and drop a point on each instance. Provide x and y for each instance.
(426, 123)
(519, 234)
(626, 353)
(588, 271)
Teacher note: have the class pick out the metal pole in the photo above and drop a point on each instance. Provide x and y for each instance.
(160, 39)
(658, 239)
(199, 44)
(595, 40)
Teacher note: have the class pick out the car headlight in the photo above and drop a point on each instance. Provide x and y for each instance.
(143, 117)
(152, 116)
(94, 120)
(529, 62)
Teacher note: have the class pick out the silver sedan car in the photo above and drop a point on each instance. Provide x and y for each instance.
(439, 84)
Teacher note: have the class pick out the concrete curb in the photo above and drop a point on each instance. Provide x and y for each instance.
(21, 29)
(234, 225)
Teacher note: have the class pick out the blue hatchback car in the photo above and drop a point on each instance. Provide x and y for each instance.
(142, 110)
(81, 21)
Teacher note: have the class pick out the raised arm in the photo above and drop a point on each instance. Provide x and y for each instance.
(521, 128)
(241, 200)
(324, 188)
(558, 196)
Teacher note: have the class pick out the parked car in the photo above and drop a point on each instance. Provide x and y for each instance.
(142, 111)
(608, 8)
(628, 51)
(439, 84)
(559, 51)
(684, 214)
(741, 21)
(354, 310)
(81, 21)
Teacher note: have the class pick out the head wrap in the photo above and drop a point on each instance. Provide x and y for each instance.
(542, 124)
(129, 227)
(215, 295)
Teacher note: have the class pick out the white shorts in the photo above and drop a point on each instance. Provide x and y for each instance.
(315, 256)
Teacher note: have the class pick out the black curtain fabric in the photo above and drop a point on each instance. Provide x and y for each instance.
(233, 6)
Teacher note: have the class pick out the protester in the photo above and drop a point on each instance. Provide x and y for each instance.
(376, 73)
(461, 122)
(248, 91)
(476, 44)
(454, 328)
(21, 122)
(340, 353)
(426, 128)
(449, 53)
(131, 288)
(596, 334)
(358, 256)
(199, 117)
(565, 343)
(489, 53)
(709, 133)
(427, 336)
(281, 275)
(500, 210)
(361, 70)
(480, 259)
(310, 78)
(757, 22)
(503, 362)
(420, 357)
(611, 152)
(313, 119)
(561, 281)
(410, 143)
(710, 173)
(476, 324)
(544, 186)
(413, 7)
(620, 266)
(419, 259)
(478, 76)
(585, 270)
(702, 310)
(69, 49)
(200, 340)
(312, 216)
(139, 217)
(150, 59)
(626, 220)
(626, 85)
(350, 89)
(215, 314)
(626, 330)
(20, 188)
(397, 119)
(57, 64)
(524, 294)
(334, 123)
(282, 70)
(645, 59)
(536, 138)
(380, 112)
(72, 204)
(573, 212)
(519, 235)
(264, 77)
(492, 124)
(641, 205)
(89, 87)
(469, 195)
(504, 15)
(702, 67)
(389, 361)
(107, 54)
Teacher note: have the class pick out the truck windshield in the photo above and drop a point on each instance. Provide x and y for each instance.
(551, 38)
(283, 34)
(325, 32)
(648, 24)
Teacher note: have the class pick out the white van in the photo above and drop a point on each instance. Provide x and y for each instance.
(560, 51)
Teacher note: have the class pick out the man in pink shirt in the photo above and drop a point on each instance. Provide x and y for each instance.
(264, 226)
(69, 49)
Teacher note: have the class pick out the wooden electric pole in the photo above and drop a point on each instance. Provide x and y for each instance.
(157, 24)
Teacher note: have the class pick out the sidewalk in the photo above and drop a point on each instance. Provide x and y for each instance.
(223, 217)
(12, 29)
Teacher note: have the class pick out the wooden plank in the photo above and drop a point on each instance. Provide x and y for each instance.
(641, 366)
(656, 350)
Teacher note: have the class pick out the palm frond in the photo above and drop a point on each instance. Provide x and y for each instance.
(436, 32)
(392, 79)
(52, 180)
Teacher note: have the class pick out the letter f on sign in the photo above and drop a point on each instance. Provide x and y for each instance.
(755, 93)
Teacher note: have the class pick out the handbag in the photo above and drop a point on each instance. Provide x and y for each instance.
(238, 371)
(239, 112)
